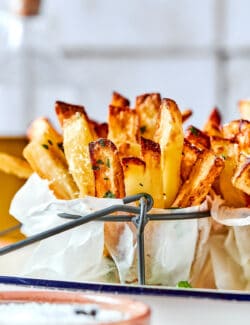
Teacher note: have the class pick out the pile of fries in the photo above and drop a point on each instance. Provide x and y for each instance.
(141, 149)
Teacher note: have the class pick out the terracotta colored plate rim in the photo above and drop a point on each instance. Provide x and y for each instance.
(138, 312)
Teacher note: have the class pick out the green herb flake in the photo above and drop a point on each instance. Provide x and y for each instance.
(109, 195)
(106, 178)
(50, 142)
(183, 284)
(143, 129)
(224, 157)
(194, 131)
(140, 184)
(99, 162)
(102, 142)
(108, 163)
(95, 167)
(45, 146)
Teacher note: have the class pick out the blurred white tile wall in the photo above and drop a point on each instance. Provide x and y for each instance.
(196, 52)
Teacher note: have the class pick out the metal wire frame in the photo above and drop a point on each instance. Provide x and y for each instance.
(138, 215)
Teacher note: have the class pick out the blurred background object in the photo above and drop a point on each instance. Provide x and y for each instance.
(196, 52)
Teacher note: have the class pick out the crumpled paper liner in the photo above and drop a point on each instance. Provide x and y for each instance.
(230, 252)
(77, 254)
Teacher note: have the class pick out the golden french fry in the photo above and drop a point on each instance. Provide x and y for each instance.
(244, 108)
(152, 184)
(229, 151)
(119, 101)
(48, 164)
(15, 166)
(147, 107)
(41, 126)
(241, 177)
(195, 189)
(243, 138)
(197, 137)
(212, 126)
(77, 136)
(100, 129)
(123, 125)
(170, 137)
(190, 155)
(233, 128)
(128, 149)
(186, 114)
(134, 170)
(108, 172)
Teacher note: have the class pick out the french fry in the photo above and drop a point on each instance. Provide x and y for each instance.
(241, 177)
(77, 135)
(43, 128)
(108, 172)
(170, 137)
(229, 151)
(134, 170)
(213, 124)
(119, 101)
(243, 138)
(100, 129)
(123, 125)
(147, 107)
(197, 137)
(244, 108)
(128, 149)
(15, 166)
(186, 114)
(195, 189)
(152, 184)
(48, 164)
(190, 155)
(233, 128)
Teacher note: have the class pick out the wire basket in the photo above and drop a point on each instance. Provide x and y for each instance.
(138, 214)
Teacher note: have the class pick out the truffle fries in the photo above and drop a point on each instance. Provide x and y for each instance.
(108, 172)
(15, 166)
(170, 138)
(77, 135)
(147, 108)
(152, 182)
(195, 189)
(45, 156)
(213, 124)
(119, 101)
(241, 177)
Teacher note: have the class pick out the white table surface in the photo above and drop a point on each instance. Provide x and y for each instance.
(177, 311)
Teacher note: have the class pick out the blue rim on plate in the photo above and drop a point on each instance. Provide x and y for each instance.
(126, 289)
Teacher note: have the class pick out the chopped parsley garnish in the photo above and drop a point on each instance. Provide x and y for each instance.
(95, 167)
(183, 284)
(50, 142)
(45, 146)
(102, 142)
(224, 157)
(140, 184)
(106, 178)
(194, 131)
(109, 195)
(143, 129)
(108, 163)
(99, 162)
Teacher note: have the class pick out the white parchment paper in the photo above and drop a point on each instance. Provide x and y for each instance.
(230, 252)
(77, 254)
